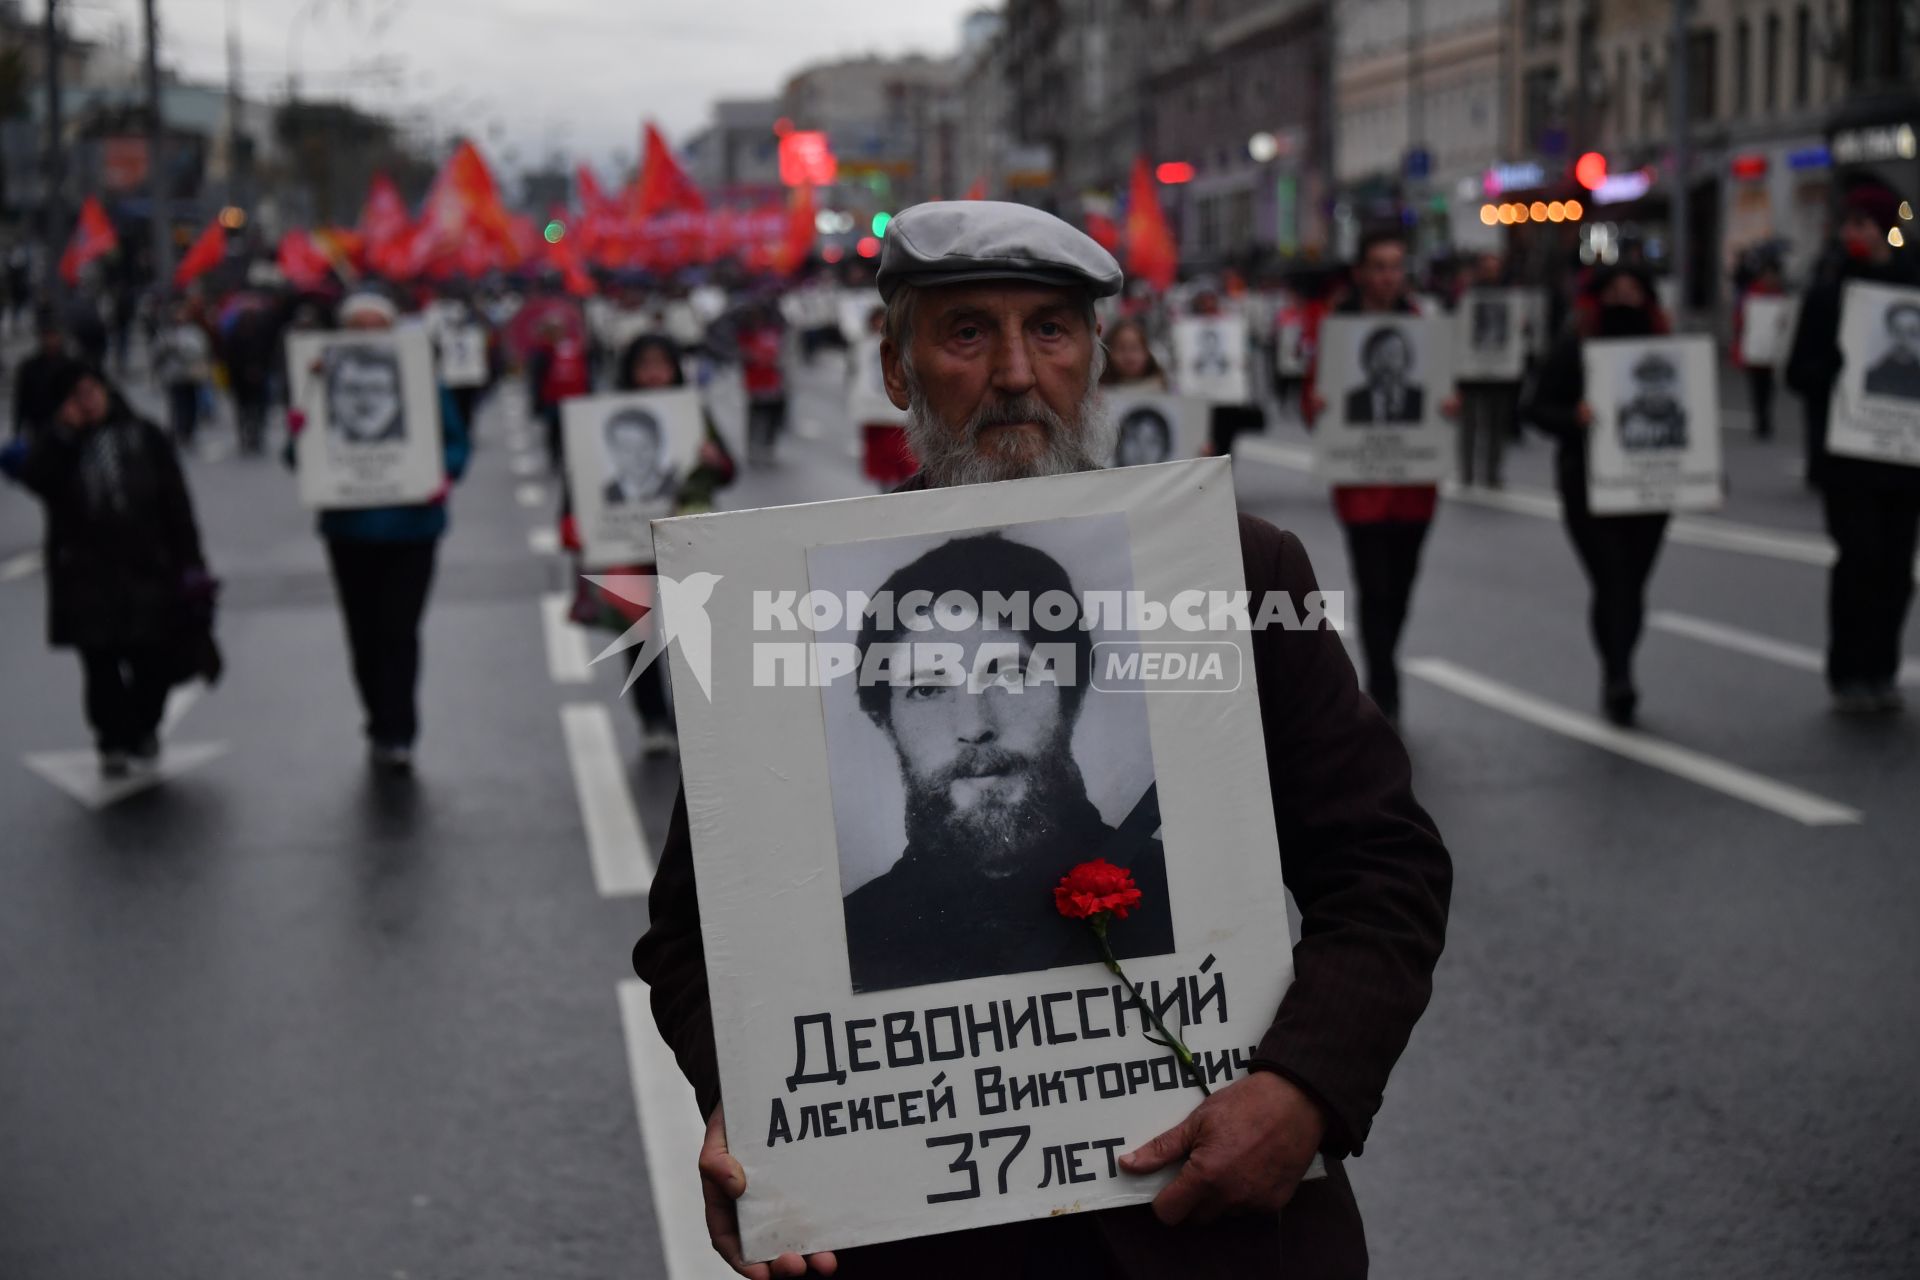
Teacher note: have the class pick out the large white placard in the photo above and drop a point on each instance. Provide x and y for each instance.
(1654, 444)
(1210, 359)
(1385, 378)
(1490, 328)
(1876, 403)
(867, 399)
(1151, 426)
(628, 453)
(1766, 325)
(463, 355)
(372, 433)
(884, 893)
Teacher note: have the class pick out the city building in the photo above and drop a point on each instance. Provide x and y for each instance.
(736, 158)
(877, 115)
(1419, 116)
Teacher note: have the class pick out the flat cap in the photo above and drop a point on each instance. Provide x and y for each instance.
(960, 241)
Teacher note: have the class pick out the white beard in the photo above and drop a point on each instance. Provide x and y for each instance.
(952, 456)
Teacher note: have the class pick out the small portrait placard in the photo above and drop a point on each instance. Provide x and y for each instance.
(628, 453)
(1210, 359)
(372, 411)
(1876, 403)
(1385, 378)
(1654, 444)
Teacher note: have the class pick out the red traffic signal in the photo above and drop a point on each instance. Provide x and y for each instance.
(1590, 170)
(1174, 172)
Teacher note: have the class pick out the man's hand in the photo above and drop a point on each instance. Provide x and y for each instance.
(1246, 1148)
(722, 1181)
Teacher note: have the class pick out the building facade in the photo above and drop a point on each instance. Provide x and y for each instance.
(737, 156)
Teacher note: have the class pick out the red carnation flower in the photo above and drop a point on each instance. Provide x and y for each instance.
(1094, 888)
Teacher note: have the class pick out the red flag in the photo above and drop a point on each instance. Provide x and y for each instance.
(1104, 231)
(463, 225)
(93, 237)
(800, 230)
(301, 261)
(664, 186)
(383, 219)
(1151, 254)
(208, 252)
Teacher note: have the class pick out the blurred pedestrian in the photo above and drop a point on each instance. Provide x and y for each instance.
(182, 358)
(127, 583)
(1385, 525)
(1487, 405)
(382, 560)
(1225, 422)
(651, 362)
(34, 388)
(1130, 361)
(761, 338)
(1618, 551)
(250, 350)
(558, 370)
(1765, 283)
(1872, 508)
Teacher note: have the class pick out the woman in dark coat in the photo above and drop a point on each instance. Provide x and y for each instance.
(126, 576)
(1618, 552)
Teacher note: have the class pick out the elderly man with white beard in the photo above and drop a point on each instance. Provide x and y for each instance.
(992, 348)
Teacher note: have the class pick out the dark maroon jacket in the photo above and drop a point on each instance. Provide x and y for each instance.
(1372, 880)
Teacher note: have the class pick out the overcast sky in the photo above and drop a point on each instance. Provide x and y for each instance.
(530, 76)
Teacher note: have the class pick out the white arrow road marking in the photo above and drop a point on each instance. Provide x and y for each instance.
(671, 1133)
(78, 772)
(616, 842)
(1682, 762)
(1755, 645)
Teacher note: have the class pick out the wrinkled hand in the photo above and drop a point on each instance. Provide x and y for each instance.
(1246, 1148)
(722, 1181)
(1584, 414)
(1450, 407)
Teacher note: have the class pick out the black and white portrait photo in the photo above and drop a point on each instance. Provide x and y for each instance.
(1491, 323)
(1210, 358)
(1897, 372)
(1652, 414)
(627, 454)
(1390, 395)
(986, 746)
(1144, 435)
(1654, 444)
(639, 469)
(373, 414)
(364, 398)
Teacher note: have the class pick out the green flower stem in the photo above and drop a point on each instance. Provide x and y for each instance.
(1173, 1042)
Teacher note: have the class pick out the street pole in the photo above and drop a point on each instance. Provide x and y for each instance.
(157, 220)
(52, 215)
(1679, 111)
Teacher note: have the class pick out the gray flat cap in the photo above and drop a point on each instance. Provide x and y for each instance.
(959, 241)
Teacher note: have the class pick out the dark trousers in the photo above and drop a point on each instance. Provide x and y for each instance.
(1760, 391)
(1226, 421)
(250, 412)
(1487, 411)
(1872, 585)
(1618, 554)
(126, 692)
(383, 592)
(765, 418)
(183, 410)
(1386, 559)
(650, 692)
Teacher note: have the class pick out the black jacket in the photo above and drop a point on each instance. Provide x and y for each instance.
(121, 541)
(1813, 367)
(1372, 881)
(33, 382)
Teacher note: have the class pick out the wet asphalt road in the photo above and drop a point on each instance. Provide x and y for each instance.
(274, 1019)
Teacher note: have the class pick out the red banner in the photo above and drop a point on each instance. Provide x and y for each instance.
(208, 252)
(1151, 253)
(301, 261)
(93, 237)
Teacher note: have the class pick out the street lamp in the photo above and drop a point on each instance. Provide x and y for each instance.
(1263, 146)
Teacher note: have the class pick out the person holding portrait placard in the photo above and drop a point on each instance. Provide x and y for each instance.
(1386, 525)
(640, 472)
(992, 351)
(1872, 507)
(1764, 283)
(1617, 551)
(382, 558)
(1488, 405)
